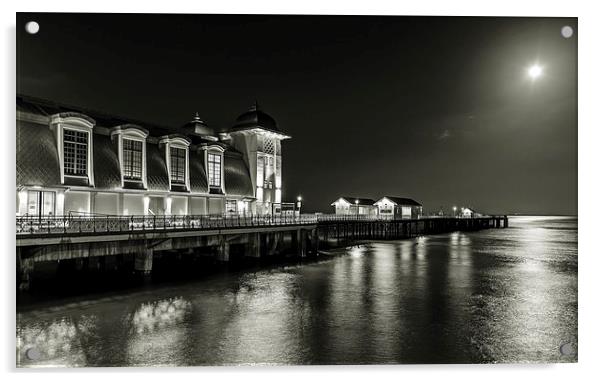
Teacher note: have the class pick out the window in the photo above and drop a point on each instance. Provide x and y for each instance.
(268, 146)
(178, 165)
(214, 169)
(260, 170)
(231, 207)
(75, 152)
(132, 159)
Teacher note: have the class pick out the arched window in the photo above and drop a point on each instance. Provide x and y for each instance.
(214, 163)
(176, 157)
(131, 143)
(74, 143)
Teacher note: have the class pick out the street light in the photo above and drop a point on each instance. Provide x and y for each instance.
(454, 208)
(299, 204)
(357, 207)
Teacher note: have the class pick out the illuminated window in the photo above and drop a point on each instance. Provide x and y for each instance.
(231, 206)
(132, 159)
(40, 203)
(75, 152)
(214, 169)
(178, 165)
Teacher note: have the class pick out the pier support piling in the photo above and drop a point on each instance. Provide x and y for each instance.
(301, 243)
(143, 262)
(25, 268)
(223, 250)
(254, 245)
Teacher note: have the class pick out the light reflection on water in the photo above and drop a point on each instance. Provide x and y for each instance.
(500, 295)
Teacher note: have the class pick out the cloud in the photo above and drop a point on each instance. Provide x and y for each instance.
(443, 135)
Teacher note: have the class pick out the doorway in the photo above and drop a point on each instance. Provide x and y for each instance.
(156, 205)
(40, 203)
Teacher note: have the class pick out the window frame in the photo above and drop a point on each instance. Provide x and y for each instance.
(78, 122)
(218, 150)
(168, 142)
(211, 168)
(76, 152)
(234, 202)
(128, 173)
(131, 132)
(180, 160)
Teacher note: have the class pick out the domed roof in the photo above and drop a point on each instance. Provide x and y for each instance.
(255, 118)
(197, 127)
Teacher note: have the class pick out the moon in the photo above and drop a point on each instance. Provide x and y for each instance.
(566, 31)
(535, 71)
(32, 27)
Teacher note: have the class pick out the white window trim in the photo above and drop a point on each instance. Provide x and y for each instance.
(176, 142)
(131, 133)
(216, 150)
(74, 122)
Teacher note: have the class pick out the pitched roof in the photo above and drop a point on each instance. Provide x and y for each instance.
(38, 159)
(45, 107)
(107, 175)
(196, 167)
(362, 201)
(157, 178)
(403, 201)
(236, 175)
(37, 155)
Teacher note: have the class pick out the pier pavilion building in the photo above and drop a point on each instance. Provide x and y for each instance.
(355, 206)
(398, 208)
(387, 207)
(72, 161)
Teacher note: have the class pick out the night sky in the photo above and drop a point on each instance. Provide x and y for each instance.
(433, 108)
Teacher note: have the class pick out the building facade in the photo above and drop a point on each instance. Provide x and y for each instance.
(398, 208)
(354, 206)
(386, 207)
(79, 162)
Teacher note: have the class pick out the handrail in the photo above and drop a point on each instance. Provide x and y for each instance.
(34, 225)
(364, 217)
(57, 225)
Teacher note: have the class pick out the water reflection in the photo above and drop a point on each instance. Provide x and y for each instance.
(156, 333)
(61, 342)
(501, 295)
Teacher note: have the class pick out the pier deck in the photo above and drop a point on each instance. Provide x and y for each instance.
(64, 238)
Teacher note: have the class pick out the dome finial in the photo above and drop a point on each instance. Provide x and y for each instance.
(255, 106)
(197, 117)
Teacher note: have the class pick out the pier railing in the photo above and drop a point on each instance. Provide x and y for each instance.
(90, 224)
(364, 217)
(33, 225)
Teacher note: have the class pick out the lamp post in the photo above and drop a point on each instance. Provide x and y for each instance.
(357, 209)
(454, 208)
(299, 205)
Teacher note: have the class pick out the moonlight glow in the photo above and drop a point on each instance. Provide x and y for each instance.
(535, 71)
